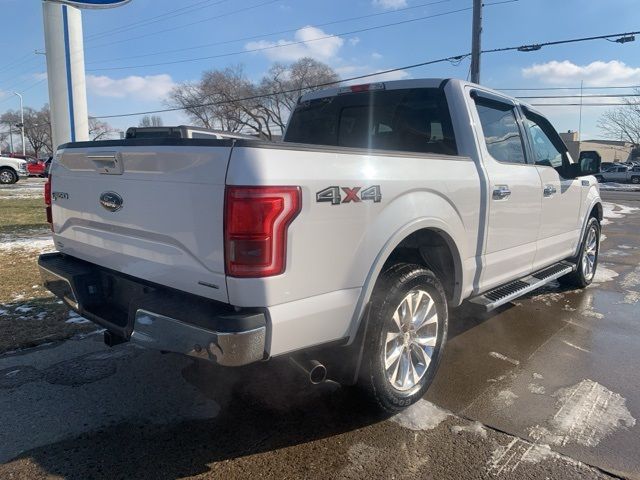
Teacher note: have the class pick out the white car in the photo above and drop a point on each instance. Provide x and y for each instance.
(344, 247)
(12, 169)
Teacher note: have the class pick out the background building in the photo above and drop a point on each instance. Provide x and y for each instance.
(609, 150)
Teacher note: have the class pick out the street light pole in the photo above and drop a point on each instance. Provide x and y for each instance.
(21, 122)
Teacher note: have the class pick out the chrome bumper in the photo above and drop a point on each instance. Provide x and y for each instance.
(155, 317)
(230, 349)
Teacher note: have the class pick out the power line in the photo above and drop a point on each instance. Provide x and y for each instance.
(281, 45)
(537, 46)
(576, 104)
(281, 32)
(164, 31)
(158, 18)
(265, 95)
(568, 88)
(455, 58)
(604, 95)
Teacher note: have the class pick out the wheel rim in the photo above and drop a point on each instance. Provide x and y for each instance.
(590, 254)
(6, 177)
(411, 340)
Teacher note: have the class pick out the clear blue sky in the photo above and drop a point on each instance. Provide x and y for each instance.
(111, 40)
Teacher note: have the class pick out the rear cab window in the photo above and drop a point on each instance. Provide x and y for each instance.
(411, 120)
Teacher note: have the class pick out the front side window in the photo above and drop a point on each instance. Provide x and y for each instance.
(501, 131)
(548, 149)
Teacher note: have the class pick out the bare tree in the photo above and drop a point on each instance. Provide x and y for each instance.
(99, 130)
(151, 121)
(286, 84)
(226, 99)
(623, 123)
(37, 128)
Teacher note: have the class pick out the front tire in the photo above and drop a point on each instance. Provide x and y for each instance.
(408, 320)
(635, 180)
(8, 176)
(587, 259)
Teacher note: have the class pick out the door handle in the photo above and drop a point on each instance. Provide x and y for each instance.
(549, 190)
(501, 192)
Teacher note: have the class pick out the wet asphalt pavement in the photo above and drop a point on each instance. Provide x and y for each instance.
(546, 387)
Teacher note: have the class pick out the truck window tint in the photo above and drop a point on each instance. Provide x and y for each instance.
(413, 120)
(548, 148)
(501, 132)
(544, 150)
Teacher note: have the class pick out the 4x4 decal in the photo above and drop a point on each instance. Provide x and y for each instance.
(351, 195)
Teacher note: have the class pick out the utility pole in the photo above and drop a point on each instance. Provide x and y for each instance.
(11, 137)
(21, 122)
(475, 41)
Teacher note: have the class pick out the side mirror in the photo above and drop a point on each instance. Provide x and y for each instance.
(586, 166)
(589, 166)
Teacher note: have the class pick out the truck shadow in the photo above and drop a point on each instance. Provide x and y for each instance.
(268, 407)
(262, 409)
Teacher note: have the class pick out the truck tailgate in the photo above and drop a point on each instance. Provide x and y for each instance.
(152, 212)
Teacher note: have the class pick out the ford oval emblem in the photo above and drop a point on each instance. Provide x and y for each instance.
(111, 201)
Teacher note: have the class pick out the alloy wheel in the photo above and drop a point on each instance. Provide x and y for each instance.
(411, 340)
(590, 253)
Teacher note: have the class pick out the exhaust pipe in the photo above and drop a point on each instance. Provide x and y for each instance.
(316, 371)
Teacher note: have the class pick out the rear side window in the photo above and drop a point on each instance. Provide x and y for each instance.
(412, 120)
(501, 131)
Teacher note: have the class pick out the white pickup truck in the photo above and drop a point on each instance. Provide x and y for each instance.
(343, 247)
(12, 170)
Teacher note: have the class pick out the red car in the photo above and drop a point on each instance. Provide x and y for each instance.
(36, 167)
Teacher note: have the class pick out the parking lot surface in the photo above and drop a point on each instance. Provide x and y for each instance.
(545, 387)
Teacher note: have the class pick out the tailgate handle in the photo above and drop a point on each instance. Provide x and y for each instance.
(107, 163)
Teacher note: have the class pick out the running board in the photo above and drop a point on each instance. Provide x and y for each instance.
(512, 290)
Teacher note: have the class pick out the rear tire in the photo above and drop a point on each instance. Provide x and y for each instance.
(587, 259)
(635, 180)
(8, 176)
(407, 329)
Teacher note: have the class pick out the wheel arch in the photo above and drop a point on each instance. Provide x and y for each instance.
(594, 211)
(429, 229)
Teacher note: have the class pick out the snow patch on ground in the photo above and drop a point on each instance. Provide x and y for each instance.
(507, 458)
(75, 318)
(537, 376)
(422, 415)
(506, 398)
(16, 192)
(576, 346)
(537, 389)
(604, 274)
(476, 428)
(38, 243)
(587, 413)
(616, 210)
(603, 237)
(620, 187)
(500, 356)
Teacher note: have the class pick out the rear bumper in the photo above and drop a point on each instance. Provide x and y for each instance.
(155, 316)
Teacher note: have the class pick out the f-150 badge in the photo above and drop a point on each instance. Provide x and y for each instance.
(338, 195)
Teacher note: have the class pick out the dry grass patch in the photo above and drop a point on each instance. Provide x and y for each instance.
(29, 314)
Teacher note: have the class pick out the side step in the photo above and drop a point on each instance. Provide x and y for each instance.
(512, 290)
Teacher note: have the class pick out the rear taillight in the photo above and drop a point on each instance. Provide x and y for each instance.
(255, 229)
(47, 201)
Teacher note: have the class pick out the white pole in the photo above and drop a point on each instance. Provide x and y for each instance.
(65, 73)
(21, 122)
